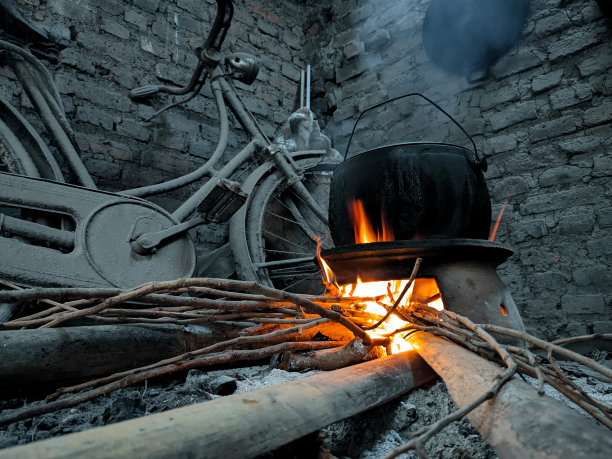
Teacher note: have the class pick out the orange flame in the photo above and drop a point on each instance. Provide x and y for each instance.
(501, 212)
(377, 297)
(363, 228)
(327, 275)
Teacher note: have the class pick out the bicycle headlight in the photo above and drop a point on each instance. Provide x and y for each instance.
(245, 67)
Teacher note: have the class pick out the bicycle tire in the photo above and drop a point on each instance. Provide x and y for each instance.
(20, 165)
(266, 231)
(9, 163)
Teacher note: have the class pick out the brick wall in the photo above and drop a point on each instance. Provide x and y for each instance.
(543, 116)
(113, 46)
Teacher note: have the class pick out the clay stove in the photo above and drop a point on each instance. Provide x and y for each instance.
(464, 271)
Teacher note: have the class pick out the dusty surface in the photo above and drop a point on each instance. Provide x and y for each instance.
(369, 435)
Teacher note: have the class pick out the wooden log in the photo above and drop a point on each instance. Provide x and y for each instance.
(331, 359)
(518, 422)
(42, 356)
(244, 425)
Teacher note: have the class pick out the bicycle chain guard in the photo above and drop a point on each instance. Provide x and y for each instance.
(106, 223)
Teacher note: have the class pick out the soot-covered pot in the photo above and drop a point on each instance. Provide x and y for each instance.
(423, 190)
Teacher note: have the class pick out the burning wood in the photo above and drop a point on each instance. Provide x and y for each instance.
(276, 322)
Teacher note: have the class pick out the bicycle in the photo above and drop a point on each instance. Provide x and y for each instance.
(57, 234)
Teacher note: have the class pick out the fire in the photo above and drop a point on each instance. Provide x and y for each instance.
(372, 300)
(380, 296)
(363, 228)
(327, 275)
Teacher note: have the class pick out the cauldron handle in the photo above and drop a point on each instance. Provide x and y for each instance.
(481, 162)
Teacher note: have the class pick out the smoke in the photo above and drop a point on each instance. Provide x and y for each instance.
(466, 36)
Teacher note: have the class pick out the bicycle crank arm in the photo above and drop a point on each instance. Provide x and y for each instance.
(149, 242)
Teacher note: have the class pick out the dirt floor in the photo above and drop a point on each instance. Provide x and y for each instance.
(369, 435)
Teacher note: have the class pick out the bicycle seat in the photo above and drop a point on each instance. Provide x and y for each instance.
(17, 29)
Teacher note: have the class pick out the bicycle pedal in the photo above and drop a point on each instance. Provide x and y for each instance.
(223, 201)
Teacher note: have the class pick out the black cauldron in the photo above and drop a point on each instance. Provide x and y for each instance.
(425, 190)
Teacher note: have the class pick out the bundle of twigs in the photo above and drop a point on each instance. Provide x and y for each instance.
(535, 359)
(273, 322)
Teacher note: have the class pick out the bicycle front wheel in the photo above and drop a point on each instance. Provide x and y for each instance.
(274, 236)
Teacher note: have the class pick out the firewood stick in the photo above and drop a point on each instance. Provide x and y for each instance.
(188, 355)
(549, 346)
(331, 359)
(155, 287)
(244, 425)
(517, 422)
(577, 339)
(215, 359)
(65, 355)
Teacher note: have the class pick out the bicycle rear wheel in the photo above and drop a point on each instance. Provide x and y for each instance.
(274, 236)
(22, 152)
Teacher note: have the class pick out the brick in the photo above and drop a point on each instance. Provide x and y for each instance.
(133, 129)
(561, 200)
(550, 281)
(291, 71)
(579, 305)
(577, 222)
(494, 99)
(600, 247)
(352, 49)
(268, 28)
(508, 187)
(162, 28)
(378, 40)
(520, 112)
(604, 218)
(599, 114)
(602, 166)
(116, 29)
(571, 42)
(552, 129)
(69, 9)
(502, 143)
(580, 144)
(150, 6)
(103, 169)
(551, 24)
(596, 275)
(198, 8)
(597, 64)
(187, 22)
(561, 175)
(525, 230)
(96, 117)
(349, 70)
(137, 19)
(291, 39)
(547, 81)
(148, 45)
(516, 62)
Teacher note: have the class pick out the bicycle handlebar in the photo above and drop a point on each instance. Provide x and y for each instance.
(216, 36)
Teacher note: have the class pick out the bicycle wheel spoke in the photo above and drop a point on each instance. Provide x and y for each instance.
(308, 277)
(289, 253)
(287, 261)
(281, 217)
(269, 233)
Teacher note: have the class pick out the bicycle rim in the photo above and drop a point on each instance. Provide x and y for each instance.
(273, 237)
